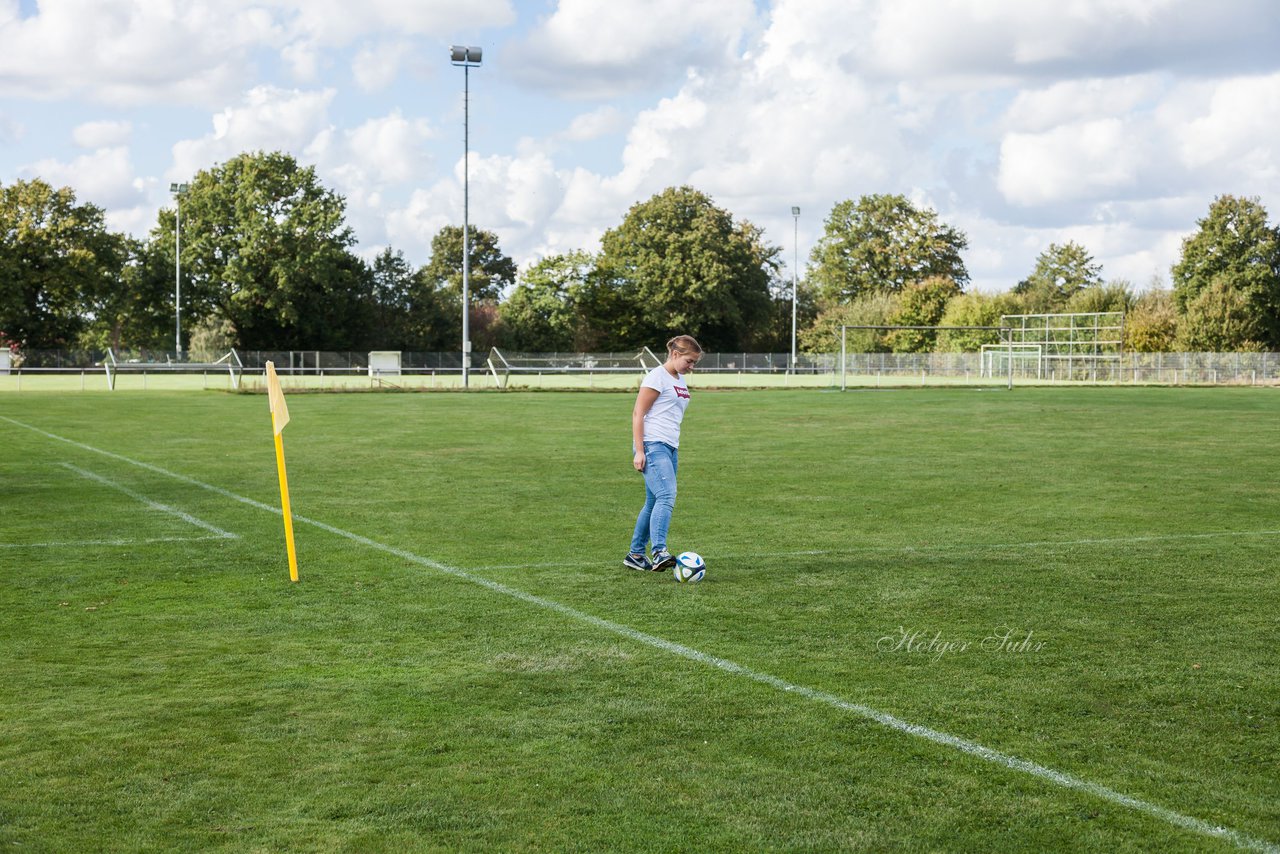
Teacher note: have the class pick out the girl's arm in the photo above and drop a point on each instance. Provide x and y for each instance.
(644, 402)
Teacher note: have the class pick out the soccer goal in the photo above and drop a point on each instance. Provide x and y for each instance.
(114, 367)
(1009, 359)
(555, 370)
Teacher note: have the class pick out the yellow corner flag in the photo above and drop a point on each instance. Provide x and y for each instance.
(279, 411)
(279, 418)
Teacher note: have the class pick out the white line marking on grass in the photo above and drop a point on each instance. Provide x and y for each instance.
(154, 505)
(1041, 772)
(115, 542)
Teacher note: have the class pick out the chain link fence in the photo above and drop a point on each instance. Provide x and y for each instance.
(74, 369)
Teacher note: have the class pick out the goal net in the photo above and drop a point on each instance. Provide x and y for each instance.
(551, 370)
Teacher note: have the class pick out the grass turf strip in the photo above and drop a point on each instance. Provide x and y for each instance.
(685, 618)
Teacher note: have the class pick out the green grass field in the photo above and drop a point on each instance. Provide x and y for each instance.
(466, 665)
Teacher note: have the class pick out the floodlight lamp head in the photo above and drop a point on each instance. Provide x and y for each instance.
(795, 211)
(461, 55)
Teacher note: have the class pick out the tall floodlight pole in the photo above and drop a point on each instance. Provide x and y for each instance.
(795, 280)
(468, 58)
(178, 191)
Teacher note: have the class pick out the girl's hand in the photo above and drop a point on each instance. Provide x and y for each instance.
(638, 462)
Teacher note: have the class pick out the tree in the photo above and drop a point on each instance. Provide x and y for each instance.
(211, 338)
(392, 278)
(58, 262)
(265, 246)
(1235, 249)
(1151, 326)
(974, 309)
(921, 304)
(875, 308)
(1061, 271)
(883, 243)
(1221, 319)
(774, 336)
(491, 271)
(545, 311)
(1116, 295)
(139, 313)
(411, 313)
(680, 264)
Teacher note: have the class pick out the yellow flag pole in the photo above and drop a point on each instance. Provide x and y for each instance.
(284, 503)
(279, 418)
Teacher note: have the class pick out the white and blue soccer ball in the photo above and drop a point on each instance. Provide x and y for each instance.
(690, 568)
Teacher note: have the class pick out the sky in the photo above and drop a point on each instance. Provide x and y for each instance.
(1113, 123)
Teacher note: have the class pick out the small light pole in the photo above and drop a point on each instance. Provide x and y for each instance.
(468, 58)
(795, 279)
(178, 190)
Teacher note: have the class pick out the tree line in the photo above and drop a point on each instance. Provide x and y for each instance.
(268, 262)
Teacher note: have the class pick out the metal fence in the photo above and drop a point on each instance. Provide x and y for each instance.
(319, 368)
(1033, 369)
(316, 361)
(1214, 368)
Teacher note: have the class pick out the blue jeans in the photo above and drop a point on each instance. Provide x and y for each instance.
(660, 464)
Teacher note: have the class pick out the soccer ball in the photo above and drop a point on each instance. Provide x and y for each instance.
(690, 567)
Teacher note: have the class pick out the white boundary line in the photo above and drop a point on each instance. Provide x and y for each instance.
(117, 542)
(1041, 772)
(154, 505)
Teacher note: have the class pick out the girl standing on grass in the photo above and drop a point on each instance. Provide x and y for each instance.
(655, 440)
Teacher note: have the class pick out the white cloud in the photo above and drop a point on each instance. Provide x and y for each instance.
(594, 124)
(102, 134)
(376, 66)
(584, 50)
(338, 22)
(1013, 39)
(412, 226)
(303, 60)
(1107, 142)
(269, 119)
(655, 153)
(371, 163)
(1083, 161)
(516, 192)
(104, 177)
(1042, 109)
(516, 197)
(132, 51)
(389, 150)
(1238, 125)
(201, 51)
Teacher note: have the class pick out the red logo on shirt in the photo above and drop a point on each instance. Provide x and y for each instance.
(681, 391)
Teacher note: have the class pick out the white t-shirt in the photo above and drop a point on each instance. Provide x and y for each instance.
(662, 422)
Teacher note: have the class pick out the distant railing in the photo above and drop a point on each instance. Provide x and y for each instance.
(317, 361)
(319, 368)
